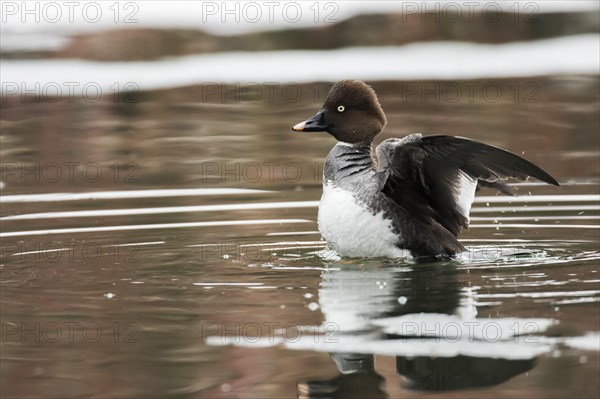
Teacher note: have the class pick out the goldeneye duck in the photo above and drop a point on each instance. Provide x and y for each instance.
(414, 194)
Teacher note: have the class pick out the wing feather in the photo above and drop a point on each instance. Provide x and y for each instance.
(435, 177)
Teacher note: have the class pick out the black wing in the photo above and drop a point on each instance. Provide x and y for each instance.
(435, 177)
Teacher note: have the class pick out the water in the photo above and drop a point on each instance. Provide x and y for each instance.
(177, 255)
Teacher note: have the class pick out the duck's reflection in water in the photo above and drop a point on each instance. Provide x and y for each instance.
(459, 372)
(363, 304)
(358, 379)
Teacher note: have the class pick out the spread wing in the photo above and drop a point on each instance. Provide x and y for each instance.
(435, 177)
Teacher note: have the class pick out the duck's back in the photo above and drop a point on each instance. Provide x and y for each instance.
(358, 219)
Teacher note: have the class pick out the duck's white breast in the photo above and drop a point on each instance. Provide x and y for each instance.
(353, 230)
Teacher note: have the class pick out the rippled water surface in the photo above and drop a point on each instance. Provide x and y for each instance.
(168, 247)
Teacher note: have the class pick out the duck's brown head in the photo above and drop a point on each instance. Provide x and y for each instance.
(351, 113)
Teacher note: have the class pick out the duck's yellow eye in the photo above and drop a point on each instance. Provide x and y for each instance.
(341, 108)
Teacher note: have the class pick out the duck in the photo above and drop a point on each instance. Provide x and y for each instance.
(408, 197)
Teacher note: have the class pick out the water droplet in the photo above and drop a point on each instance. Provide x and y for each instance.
(225, 388)
(556, 353)
(402, 300)
(110, 295)
(313, 306)
(308, 295)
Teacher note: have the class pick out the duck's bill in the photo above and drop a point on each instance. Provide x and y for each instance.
(313, 124)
